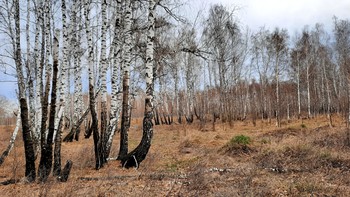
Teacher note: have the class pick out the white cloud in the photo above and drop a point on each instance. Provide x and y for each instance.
(290, 14)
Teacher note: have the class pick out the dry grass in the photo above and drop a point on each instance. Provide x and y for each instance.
(300, 159)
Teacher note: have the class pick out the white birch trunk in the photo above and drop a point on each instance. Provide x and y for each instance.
(150, 56)
(26, 133)
(38, 78)
(278, 120)
(103, 76)
(126, 81)
(328, 92)
(298, 85)
(64, 68)
(29, 73)
(135, 157)
(92, 102)
(78, 88)
(103, 60)
(116, 96)
(49, 63)
(308, 91)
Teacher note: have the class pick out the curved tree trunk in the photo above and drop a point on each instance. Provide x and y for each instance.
(94, 125)
(78, 98)
(135, 157)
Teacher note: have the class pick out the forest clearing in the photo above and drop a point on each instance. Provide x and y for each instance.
(298, 159)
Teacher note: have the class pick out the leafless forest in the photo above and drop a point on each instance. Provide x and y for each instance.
(200, 106)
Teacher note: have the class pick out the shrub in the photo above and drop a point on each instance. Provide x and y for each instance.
(241, 140)
(237, 145)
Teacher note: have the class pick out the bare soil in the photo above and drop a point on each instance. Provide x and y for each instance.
(300, 159)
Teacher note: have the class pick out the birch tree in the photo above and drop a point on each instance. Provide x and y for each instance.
(75, 39)
(92, 103)
(26, 132)
(30, 77)
(127, 48)
(342, 48)
(116, 86)
(38, 64)
(46, 57)
(220, 36)
(135, 157)
(103, 78)
(62, 93)
(45, 165)
(278, 48)
(262, 61)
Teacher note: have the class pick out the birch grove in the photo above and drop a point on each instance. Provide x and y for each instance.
(142, 60)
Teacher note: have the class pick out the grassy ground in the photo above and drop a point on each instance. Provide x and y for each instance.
(300, 159)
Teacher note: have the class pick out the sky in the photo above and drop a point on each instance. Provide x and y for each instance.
(292, 15)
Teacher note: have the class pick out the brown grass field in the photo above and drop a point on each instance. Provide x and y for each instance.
(299, 159)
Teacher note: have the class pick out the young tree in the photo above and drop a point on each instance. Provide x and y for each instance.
(221, 36)
(262, 60)
(278, 49)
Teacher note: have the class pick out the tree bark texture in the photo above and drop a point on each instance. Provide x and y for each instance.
(125, 122)
(94, 125)
(45, 164)
(135, 157)
(26, 132)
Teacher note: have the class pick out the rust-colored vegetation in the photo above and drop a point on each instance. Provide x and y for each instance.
(299, 159)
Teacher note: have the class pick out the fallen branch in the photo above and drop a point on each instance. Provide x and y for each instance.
(10, 181)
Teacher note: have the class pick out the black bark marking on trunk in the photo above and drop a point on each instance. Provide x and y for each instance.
(28, 143)
(57, 152)
(65, 172)
(125, 123)
(135, 157)
(94, 126)
(75, 131)
(45, 164)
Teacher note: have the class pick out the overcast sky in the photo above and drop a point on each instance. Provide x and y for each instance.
(289, 14)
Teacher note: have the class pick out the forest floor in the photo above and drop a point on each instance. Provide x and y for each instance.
(299, 159)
